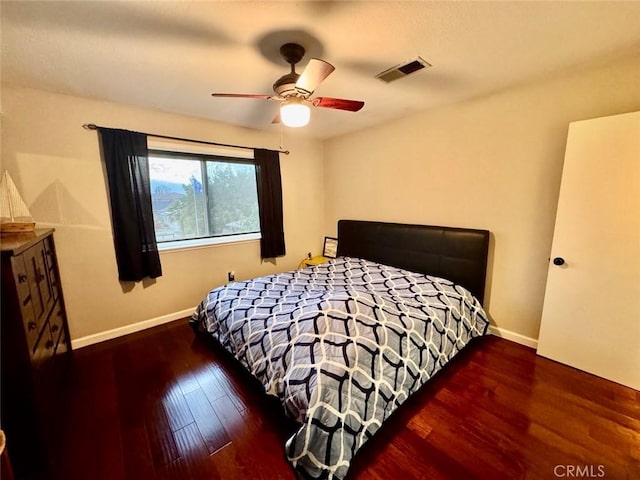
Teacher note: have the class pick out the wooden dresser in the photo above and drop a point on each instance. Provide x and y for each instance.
(35, 348)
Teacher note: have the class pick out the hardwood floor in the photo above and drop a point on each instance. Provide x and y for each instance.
(163, 404)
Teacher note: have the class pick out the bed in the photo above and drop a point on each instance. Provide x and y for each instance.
(343, 344)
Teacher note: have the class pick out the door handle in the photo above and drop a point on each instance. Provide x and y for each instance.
(558, 261)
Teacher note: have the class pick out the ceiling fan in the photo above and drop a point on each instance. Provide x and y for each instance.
(294, 89)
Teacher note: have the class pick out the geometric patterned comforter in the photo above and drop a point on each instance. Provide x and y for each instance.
(342, 345)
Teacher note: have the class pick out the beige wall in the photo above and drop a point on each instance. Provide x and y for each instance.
(57, 168)
(493, 163)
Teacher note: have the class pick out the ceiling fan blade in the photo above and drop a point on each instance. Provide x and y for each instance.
(338, 103)
(317, 70)
(242, 95)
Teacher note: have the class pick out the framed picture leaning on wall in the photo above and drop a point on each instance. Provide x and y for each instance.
(330, 249)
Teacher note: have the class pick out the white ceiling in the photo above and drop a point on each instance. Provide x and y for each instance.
(172, 55)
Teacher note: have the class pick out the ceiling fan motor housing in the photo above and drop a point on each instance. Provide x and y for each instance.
(285, 85)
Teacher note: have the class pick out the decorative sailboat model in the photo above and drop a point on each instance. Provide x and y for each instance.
(14, 214)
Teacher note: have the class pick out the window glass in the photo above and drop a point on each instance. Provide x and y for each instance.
(233, 198)
(197, 196)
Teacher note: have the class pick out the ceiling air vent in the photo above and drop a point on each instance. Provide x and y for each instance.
(403, 70)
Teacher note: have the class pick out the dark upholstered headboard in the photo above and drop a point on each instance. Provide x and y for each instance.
(457, 254)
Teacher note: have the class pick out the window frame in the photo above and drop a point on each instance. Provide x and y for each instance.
(203, 155)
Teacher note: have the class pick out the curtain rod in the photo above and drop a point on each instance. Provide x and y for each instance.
(93, 126)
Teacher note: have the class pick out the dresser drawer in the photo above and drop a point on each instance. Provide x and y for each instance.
(42, 276)
(31, 326)
(63, 343)
(30, 321)
(43, 350)
(21, 278)
(52, 273)
(54, 283)
(56, 322)
(39, 295)
(49, 255)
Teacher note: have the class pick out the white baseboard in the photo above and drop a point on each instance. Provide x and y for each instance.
(127, 329)
(514, 337)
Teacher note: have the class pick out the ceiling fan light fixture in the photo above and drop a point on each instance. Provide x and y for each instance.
(294, 113)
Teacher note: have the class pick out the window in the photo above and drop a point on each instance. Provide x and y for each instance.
(202, 197)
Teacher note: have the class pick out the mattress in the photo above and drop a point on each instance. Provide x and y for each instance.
(342, 345)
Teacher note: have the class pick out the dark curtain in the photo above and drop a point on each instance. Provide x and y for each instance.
(127, 163)
(269, 186)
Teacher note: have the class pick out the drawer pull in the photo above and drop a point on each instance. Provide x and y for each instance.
(22, 278)
(31, 326)
(41, 277)
(54, 328)
(49, 344)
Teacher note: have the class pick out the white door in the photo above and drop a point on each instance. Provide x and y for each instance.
(591, 314)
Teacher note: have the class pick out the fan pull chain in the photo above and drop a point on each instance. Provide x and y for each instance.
(281, 137)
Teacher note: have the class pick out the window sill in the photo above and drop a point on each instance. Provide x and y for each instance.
(206, 242)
